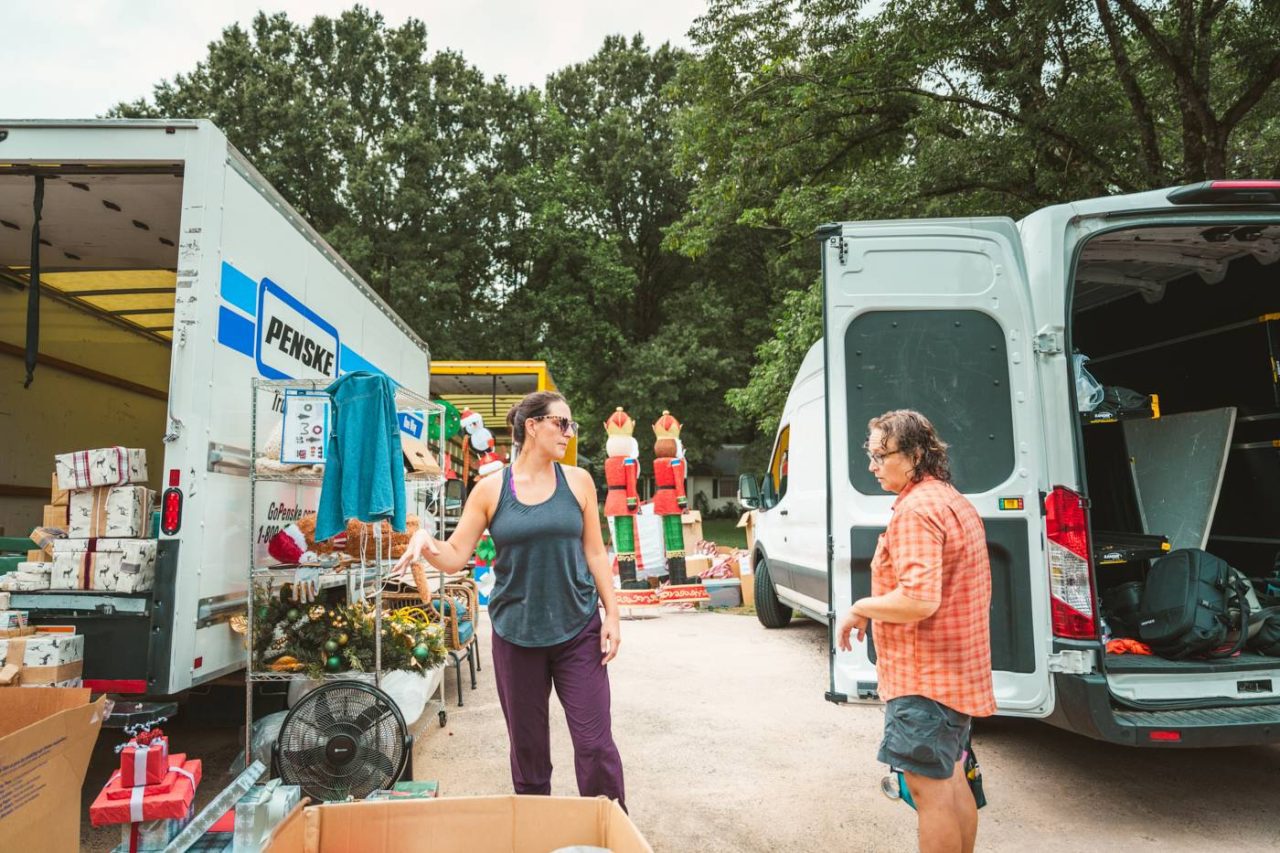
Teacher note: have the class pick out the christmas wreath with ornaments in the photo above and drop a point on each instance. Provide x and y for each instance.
(318, 638)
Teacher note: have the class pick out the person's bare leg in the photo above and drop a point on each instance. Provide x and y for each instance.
(966, 809)
(940, 828)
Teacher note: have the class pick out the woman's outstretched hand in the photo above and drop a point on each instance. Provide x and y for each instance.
(422, 546)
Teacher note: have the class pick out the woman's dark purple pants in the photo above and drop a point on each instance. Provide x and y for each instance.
(525, 677)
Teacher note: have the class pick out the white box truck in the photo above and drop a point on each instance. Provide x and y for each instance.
(975, 322)
(170, 274)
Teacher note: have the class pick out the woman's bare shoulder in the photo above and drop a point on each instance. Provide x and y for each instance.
(485, 492)
(579, 475)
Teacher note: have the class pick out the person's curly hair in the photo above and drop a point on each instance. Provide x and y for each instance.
(915, 436)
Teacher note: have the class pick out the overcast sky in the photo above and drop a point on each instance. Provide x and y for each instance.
(77, 58)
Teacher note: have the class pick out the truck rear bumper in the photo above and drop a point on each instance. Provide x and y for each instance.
(1084, 706)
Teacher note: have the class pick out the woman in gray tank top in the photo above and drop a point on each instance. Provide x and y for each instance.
(552, 577)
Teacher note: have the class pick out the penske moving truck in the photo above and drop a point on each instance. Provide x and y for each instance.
(1084, 472)
(170, 274)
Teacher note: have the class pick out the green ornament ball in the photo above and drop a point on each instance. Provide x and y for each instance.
(331, 647)
(333, 664)
(343, 639)
(421, 653)
(292, 615)
(263, 613)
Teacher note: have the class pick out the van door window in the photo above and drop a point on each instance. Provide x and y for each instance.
(953, 367)
(779, 465)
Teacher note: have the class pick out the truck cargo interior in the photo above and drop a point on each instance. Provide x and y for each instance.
(1188, 319)
(109, 251)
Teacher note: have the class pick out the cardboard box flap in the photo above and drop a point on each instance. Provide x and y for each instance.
(417, 456)
(503, 824)
(46, 737)
(747, 519)
(34, 705)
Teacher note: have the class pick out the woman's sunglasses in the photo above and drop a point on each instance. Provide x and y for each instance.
(567, 426)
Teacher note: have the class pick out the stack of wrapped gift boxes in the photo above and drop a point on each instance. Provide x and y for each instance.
(150, 796)
(31, 658)
(107, 519)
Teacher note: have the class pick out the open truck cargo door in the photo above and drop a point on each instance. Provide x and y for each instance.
(935, 316)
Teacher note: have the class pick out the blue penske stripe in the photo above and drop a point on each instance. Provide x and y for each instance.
(235, 331)
(239, 290)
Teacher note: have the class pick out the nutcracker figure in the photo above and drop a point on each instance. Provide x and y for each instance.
(621, 470)
(669, 499)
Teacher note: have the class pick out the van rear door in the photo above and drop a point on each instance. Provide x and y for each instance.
(935, 316)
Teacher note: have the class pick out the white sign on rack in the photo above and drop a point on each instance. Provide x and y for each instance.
(306, 427)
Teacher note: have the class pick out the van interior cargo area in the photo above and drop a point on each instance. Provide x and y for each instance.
(1189, 319)
(109, 255)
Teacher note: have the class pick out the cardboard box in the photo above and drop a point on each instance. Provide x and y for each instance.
(42, 649)
(510, 824)
(122, 512)
(58, 496)
(691, 521)
(110, 565)
(56, 517)
(748, 521)
(10, 675)
(696, 564)
(46, 739)
(49, 676)
(37, 556)
(103, 466)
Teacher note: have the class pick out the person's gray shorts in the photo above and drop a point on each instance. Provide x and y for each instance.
(923, 736)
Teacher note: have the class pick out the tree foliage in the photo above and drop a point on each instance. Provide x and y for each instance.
(804, 111)
(644, 220)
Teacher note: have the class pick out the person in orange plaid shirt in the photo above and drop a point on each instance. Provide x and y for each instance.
(931, 591)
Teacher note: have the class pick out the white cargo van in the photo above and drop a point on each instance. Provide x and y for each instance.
(1172, 294)
(170, 274)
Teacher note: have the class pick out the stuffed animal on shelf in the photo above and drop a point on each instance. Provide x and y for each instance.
(621, 470)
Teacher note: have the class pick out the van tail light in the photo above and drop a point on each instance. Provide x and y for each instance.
(1228, 192)
(1165, 736)
(171, 506)
(1070, 569)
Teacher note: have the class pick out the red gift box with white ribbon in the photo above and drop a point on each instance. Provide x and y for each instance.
(121, 803)
(145, 759)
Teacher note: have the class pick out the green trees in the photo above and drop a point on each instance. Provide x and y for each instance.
(643, 221)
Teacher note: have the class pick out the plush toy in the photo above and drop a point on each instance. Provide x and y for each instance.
(290, 546)
(361, 541)
(307, 527)
(669, 499)
(621, 470)
(470, 421)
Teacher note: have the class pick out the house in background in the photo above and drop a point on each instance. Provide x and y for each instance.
(716, 479)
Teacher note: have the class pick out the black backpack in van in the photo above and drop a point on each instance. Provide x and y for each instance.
(1192, 604)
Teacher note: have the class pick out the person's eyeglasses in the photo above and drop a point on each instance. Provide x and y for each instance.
(877, 459)
(567, 427)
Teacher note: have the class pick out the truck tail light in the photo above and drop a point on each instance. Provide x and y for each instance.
(171, 506)
(1070, 569)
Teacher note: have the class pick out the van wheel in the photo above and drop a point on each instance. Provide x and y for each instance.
(771, 612)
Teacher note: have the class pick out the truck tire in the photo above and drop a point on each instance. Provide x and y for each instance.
(771, 612)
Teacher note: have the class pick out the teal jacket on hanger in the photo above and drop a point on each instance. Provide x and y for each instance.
(364, 467)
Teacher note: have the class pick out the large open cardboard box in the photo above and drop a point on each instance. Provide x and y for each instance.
(509, 824)
(46, 738)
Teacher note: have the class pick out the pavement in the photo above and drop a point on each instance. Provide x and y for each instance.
(729, 745)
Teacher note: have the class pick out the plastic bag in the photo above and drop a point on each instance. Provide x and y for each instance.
(1089, 391)
(265, 733)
